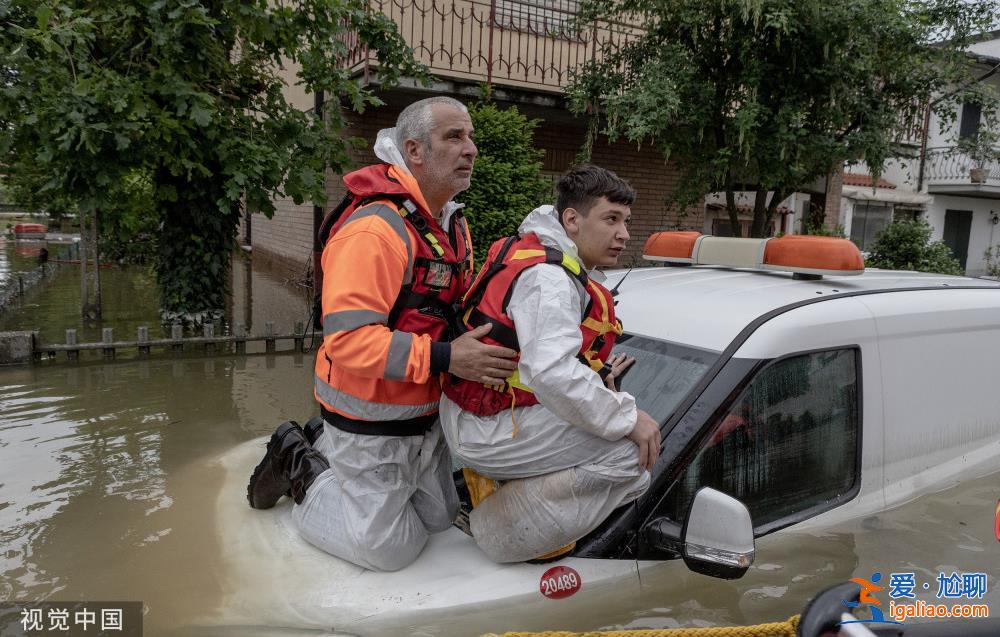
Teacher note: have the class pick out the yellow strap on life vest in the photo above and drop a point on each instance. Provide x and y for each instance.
(595, 363)
(571, 264)
(434, 243)
(514, 380)
(602, 327)
(551, 555)
(526, 254)
(568, 262)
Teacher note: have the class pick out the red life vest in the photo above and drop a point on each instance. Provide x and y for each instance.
(486, 302)
(442, 263)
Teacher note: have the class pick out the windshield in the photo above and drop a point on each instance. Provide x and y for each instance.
(663, 372)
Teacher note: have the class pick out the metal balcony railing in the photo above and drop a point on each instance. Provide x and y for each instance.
(532, 44)
(946, 167)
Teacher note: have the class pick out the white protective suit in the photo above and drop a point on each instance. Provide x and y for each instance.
(570, 463)
(382, 496)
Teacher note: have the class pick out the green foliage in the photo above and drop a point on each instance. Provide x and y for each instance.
(506, 182)
(821, 230)
(770, 95)
(128, 232)
(906, 245)
(992, 257)
(189, 95)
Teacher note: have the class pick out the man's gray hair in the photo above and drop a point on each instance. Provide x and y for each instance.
(416, 120)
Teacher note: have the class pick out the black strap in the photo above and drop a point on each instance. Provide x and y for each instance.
(408, 427)
(555, 256)
(500, 333)
(602, 372)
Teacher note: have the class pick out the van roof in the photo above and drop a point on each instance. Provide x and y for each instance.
(708, 306)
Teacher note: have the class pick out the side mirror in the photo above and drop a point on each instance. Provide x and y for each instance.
(717, 538)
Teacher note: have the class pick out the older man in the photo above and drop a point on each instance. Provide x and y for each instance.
(376, 481)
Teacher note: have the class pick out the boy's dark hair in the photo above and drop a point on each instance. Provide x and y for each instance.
(582, 186)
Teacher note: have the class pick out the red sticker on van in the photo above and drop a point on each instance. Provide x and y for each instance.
(559, 582)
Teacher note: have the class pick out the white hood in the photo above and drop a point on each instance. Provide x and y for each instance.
(386, 150)
(544, 222)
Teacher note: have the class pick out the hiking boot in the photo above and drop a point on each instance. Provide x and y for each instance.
(314, 429)
(289, 467)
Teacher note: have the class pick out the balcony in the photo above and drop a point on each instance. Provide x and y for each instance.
(525, 44)
(947, 173)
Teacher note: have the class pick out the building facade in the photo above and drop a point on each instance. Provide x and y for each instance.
(933, 179)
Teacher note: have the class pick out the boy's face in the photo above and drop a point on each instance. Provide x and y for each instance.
(601, 234)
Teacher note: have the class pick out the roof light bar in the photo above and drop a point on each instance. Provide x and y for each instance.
(801, 254)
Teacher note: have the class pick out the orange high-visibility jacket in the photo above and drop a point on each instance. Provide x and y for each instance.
(390, 277)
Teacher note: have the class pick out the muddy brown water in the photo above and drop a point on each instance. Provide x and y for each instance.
(130, 299)
(107, 488)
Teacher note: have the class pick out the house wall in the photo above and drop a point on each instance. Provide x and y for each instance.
(982, 234)
(942, 167)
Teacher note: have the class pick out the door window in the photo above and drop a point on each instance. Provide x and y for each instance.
(867, 222)
(787, 447)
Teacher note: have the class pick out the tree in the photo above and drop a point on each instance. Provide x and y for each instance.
(186, 94)
(507, 183)
(771, 95)
(906, 245)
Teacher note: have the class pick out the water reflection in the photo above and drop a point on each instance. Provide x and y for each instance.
(108, 486)
(130, 299)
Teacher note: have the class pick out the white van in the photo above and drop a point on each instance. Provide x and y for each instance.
(813, 394)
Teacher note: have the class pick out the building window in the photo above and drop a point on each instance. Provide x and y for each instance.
(972, 114)
(788, 444)
(539, 17)
(869, 219)
(906, 214)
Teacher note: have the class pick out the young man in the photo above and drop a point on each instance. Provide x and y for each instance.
(375, 480)
(571, 447)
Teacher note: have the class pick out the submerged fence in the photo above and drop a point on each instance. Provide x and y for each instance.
(26, 348)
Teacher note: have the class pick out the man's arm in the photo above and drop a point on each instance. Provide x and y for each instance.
(363, 270)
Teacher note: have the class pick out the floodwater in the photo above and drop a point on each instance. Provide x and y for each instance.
(107, 486)
(110, 482)
(130, 299)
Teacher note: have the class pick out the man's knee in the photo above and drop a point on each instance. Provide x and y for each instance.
(436, 515)
(392, 556)
(621, 460)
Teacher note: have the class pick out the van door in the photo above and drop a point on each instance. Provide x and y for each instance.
(940, 352)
